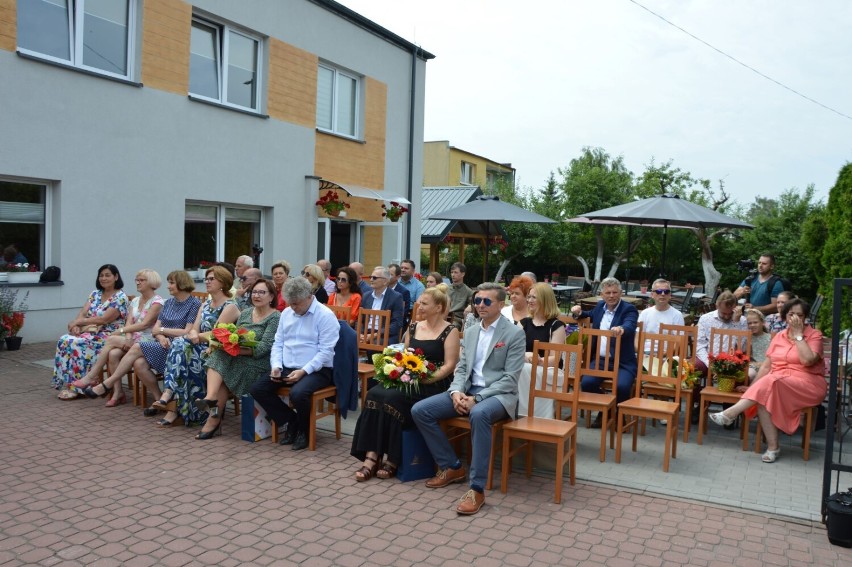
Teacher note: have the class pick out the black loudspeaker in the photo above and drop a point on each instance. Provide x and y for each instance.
(840, 518)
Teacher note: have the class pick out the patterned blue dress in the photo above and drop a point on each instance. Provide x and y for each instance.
(175, 315)
(76, 353)
(185, 372)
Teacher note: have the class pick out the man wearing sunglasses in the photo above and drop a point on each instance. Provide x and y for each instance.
(620, 317)
(662, 312)
(382, 297)
(485, 387)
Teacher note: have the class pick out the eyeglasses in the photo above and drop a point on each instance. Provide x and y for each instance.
(486, 300)
(662, 291)
(342, 279)
(140, 280)
(374, 278)
(259, 292)
(304, 273)
(531, 298)
(243, 278)
(208, 280)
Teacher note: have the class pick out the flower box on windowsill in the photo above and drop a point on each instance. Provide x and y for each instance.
(24, 277)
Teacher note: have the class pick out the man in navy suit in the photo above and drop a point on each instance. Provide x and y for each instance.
(619, 317)
(395, 285)
(382, 297)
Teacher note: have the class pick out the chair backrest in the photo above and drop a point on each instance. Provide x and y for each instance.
(562, 385)
(729, 341)
(689, 331)
(373, 337)
(608, 367)
(684, 307)
(340, 311)
(576, 282)
(815, 307)
(202, 295)
(660, 370)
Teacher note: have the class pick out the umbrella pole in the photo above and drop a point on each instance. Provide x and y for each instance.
(663, 256)
(485, 256)
(627, 267)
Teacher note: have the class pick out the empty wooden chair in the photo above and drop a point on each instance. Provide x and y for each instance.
(608, 371)
(660, 371)
(531, 429)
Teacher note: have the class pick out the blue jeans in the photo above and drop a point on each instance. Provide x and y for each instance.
(427, 414)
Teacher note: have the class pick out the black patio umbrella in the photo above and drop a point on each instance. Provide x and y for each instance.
(490, 211)
(666, 211)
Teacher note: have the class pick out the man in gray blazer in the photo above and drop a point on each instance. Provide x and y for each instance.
(485, 387)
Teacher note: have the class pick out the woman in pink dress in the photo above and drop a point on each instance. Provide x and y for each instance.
(790, 379)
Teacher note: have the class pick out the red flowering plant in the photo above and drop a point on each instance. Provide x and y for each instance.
(403, 369)
(419, 277)
(331, 203)
(11, 312)
(732, 365)
(394, 212)
(12, 323)
(205, 264)
(23, 267)
(230, 338)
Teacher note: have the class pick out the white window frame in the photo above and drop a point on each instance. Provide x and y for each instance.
(76, 12)
(49, 189)
(335, 128)
(223, 38)
(467, 173)
(221, 221)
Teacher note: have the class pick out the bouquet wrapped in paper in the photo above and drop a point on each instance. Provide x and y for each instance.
(404, 369)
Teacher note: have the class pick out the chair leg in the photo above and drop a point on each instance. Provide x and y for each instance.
(504, 467)
(619, 416)
(687, 422)
(560, 470)
(669, 447)
(605, 427)
(702, 423)
(312, 425)
(806, 434)
(274, 427)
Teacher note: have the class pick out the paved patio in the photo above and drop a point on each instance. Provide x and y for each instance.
(81, 484)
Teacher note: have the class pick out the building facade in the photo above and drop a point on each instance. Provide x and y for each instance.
(163, 133)
(448, 166)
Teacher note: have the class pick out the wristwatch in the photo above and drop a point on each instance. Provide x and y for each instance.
(477, 398)
(799, 337)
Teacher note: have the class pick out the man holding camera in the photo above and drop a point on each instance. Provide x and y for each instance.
(762, 288)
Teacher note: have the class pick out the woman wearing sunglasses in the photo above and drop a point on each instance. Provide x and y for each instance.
(348, 293)
(314, 275)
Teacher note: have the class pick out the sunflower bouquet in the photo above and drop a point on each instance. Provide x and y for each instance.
(230, 338)
(404, 369)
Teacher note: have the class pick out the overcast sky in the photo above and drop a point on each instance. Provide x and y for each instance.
(533, 82)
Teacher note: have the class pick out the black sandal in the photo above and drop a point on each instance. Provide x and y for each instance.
(89, 391)
(366, 472)
(150, 412)
(162, 404)
(387, 471)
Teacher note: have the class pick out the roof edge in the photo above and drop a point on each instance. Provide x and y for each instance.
(373, 27)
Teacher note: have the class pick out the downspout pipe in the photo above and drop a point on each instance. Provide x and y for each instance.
(412, 102)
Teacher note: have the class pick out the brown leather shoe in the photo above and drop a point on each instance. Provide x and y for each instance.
(445, 477)
(471, 502)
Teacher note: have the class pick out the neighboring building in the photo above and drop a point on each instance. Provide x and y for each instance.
(159, 133)
(445, 165)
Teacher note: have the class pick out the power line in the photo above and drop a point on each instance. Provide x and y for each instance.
(735, 60)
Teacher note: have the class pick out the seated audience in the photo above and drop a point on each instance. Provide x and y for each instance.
(105, 312)
(759, 341)
(387, 412)
(382, 297)
(144, 311)
(280, 273)
(774, 321)
(518, 308)
(542, 324)
(433, 279)
(313, 274)
(236, 375)
(243, 293)
(790, 379)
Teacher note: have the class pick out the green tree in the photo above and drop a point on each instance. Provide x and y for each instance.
(837, 253)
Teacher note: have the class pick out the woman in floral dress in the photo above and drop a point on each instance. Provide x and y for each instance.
(104, 312)
(185, 374)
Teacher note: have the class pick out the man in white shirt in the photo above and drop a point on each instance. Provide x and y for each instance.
(302, 357)
(662, 312)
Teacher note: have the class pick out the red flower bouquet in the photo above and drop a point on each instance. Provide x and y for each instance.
(230, 338)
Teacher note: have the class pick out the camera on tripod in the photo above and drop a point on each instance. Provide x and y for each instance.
(749, 266)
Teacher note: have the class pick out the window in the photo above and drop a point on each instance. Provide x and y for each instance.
(467, 173)
(23, 208)
(224, 65)
(338, 101)
(216, 232)
(96, 35)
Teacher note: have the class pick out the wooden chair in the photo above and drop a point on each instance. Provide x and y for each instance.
(723, 340)
(605, 402)
(458, 428)
(653, 390)
(341, 312)
(201, 295)
(371, 342)
(810, 423)
(531, 429)
(663, 350)
(323, 403)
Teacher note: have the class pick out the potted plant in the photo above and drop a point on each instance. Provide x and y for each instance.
(23, 273)
(332, 204)
(394, 212)
(12, 316)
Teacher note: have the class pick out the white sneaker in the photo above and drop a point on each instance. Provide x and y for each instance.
(721, 419)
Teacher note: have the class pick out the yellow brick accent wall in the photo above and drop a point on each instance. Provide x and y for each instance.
(292, 91)
(351, 162)
(8, 19)
(166, 28)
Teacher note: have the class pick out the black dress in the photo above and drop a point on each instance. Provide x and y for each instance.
(543, 333)
(387, 411)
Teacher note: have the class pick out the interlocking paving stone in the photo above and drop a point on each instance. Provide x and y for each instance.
(82, 484)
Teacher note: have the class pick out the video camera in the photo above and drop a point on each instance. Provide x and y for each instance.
(749, 266)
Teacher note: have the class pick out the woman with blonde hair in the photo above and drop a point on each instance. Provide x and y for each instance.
(543, 325)
(144, 311)
(759, 342)
(314, 275)
(387, 412)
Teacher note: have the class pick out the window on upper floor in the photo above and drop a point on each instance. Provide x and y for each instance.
(219, 232)
(225, 64)
(338, 101)
(23, 209)
(468, 174)
(96, 35)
